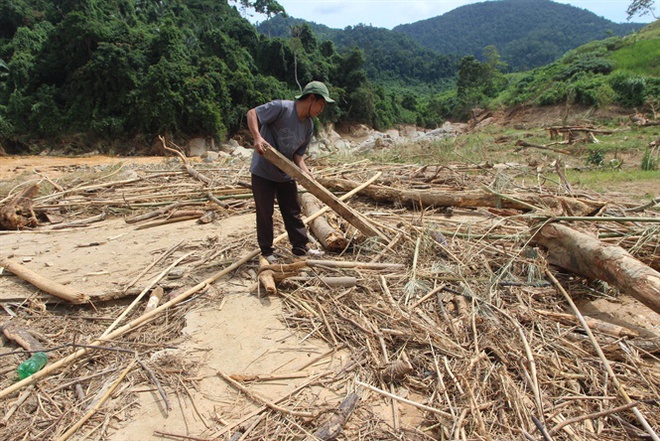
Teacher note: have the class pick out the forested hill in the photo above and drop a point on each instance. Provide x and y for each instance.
(389, 56)
(527, 33)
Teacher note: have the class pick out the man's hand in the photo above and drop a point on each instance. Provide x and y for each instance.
(260, 146)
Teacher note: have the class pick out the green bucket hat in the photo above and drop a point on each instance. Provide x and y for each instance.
(317, 88)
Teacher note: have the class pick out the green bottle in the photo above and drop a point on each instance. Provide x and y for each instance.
(32, 365)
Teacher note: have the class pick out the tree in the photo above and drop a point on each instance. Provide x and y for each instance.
(267, 7)
(641, 8)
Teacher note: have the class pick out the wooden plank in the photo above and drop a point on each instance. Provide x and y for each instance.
(322, 193)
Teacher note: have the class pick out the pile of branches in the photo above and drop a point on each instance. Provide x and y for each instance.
(466, 331)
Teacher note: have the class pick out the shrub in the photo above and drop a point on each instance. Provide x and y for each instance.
(630, 89)
(650, 159)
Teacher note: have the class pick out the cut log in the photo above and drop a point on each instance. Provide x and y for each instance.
(17, 213)
(352, 217)
(585, 255)
(49, 286)
(330, 238)
(415, 198)
(154, 299)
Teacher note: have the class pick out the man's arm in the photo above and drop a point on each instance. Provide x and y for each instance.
(253, 125)
(300, 162)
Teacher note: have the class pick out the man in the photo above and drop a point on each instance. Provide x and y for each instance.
(288, 127)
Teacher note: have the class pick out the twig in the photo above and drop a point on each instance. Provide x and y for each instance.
(254, 397)
(404, 400)
(162, 393)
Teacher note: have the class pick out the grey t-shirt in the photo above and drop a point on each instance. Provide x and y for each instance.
(281, 128)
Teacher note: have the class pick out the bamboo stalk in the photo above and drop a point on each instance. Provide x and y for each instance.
(93, 410)
(620, 389)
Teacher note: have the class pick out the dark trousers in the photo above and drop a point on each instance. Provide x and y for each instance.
(264, 192)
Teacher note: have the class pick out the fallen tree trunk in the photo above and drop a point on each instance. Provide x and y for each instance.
(330, 238)
(49, 286)
(585, 255)
(317, 189)
(478, 198)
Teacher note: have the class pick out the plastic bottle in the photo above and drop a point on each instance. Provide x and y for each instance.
(32, 364)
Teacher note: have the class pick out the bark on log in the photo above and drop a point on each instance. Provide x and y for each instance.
(414, 198)
(335, 424)
(49, 286)
(351, 216)
(330, 238)
(17, 213)
(585, 255)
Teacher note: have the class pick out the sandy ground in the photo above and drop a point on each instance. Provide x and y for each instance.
(238, 333)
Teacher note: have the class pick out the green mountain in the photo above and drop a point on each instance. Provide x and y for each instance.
(526, 33)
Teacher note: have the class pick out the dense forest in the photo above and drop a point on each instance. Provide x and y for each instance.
(117, 73)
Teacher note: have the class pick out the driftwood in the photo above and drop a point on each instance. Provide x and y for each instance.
(351, 216)
(598, 325)
(585, 255)
(554, 131)
(296, 266)
(18, 213)
(81, 223)
(335, 424)
(21, 336)
(523, 144)
(474, 198)
(171, 220)
(330, 238)
(332, 282)
(151, 214)
(191, 171)
(266, 276)
(49, 286)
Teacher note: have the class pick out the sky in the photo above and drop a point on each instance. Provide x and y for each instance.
(390, 13)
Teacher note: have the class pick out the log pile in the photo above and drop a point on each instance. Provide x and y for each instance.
(456, 313)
